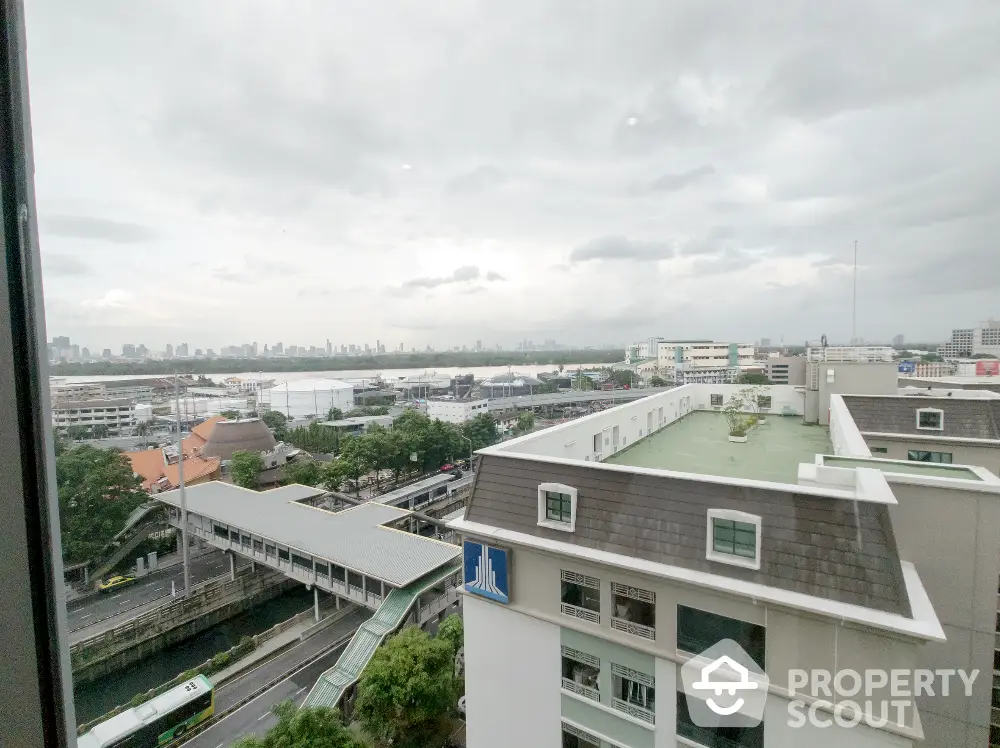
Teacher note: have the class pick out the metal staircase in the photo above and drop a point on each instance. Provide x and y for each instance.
(331, 685)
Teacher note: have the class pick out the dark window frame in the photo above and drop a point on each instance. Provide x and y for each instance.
(558, 507)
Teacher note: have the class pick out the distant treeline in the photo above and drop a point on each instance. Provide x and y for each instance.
(383, 361)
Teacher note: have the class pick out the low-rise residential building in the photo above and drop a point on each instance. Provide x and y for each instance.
(690, 361)
(604, 554)
(358, 424)
(456, 411)
(116, 415)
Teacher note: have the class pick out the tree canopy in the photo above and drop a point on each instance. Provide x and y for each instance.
(97, 492)
(452, 630)
(753, 378)
(303, 472)
(407, 691)
(525, 421)
(230, 415)
(657, 381)
(245, 467)
(316, 727)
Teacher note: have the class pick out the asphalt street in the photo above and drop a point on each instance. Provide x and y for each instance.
(255, 717)
(156, 586)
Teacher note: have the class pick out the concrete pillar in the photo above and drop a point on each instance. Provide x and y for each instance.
(253, 567)
(337, 598)
(180, 546)
(232, 567)
(316, 603)
(364, 588)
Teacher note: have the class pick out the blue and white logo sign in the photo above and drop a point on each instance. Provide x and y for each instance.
(486, 571)
(907, 367)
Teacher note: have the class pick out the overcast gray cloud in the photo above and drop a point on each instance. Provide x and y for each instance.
(401, 159)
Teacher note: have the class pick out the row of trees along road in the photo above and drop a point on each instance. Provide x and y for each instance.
(415, 444)
(407, 698)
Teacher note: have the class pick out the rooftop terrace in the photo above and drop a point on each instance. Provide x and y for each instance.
(699, 443)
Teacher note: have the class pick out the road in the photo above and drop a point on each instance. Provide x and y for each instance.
(565, 398)
(150, 589)
(255, 717)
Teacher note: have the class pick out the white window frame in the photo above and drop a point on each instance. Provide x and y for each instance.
(939, 427)
(543, 520)
(731, 515)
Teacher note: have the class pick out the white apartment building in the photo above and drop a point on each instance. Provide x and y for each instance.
(970, 341)
(603, 554)
(689, 361)
(115, 414)
(456, 411)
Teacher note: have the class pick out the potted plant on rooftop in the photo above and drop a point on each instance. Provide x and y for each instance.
(738, 424)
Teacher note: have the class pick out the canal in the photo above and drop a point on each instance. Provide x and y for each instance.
(100, 696)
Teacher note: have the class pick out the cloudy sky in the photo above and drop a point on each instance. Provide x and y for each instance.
(441, 172)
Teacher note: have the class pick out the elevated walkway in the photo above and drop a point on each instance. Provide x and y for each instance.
(331, 685)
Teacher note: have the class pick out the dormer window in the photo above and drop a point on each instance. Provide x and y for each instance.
(930, 419)
(733, 538)
(557, 506)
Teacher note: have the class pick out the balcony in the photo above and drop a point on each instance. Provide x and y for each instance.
(634, 710)
(634, 693)
(634, 611)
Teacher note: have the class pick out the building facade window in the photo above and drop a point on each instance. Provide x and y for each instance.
(930, 419)
(697, 630)
(580, 673)
(716, 400)
(716, 737)
(574, 737)
(633, 611)
(733, 538)
(764, 402)
(634, 693)
(580, 596)
(557, 506)
(880, 450)
(919, 455)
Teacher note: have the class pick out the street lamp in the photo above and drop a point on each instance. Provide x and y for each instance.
(460, 436)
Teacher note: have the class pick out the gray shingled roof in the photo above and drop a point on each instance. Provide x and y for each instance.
(968, 418)
(354, 538)
(831, 548)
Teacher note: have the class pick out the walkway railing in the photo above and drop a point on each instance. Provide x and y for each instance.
(331, 685)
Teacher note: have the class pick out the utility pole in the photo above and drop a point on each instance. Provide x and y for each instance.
(180, 485)
(854, 298)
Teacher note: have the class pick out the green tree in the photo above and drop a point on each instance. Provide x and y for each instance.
(303, 472)
(334, 414)
(452, 630)
(314, 438)
(230, 415)
(368, 410)
(76, 433)
(354, 459)
(333, 475)
(316, 727)
(931, 358)
(525, 421)
(97, 492)
(274, 419)
(407, 691)
(753, 378)
(142, 429)
(482, 430)
(656, 381)
(245, 467)
(99, 431)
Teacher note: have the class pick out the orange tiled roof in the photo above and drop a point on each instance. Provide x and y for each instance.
(200, 433)
(149, 465)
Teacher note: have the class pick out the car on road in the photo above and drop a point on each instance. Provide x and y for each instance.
(115, 583)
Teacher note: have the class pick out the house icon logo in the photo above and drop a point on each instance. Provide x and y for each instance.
(724, 687)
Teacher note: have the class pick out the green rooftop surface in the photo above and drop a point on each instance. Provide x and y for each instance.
(899, 466)
(699, 443)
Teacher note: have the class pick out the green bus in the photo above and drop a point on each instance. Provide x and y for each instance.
(158, 721)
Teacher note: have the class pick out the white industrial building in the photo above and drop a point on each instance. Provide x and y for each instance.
(310, 397)
(456, 411)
